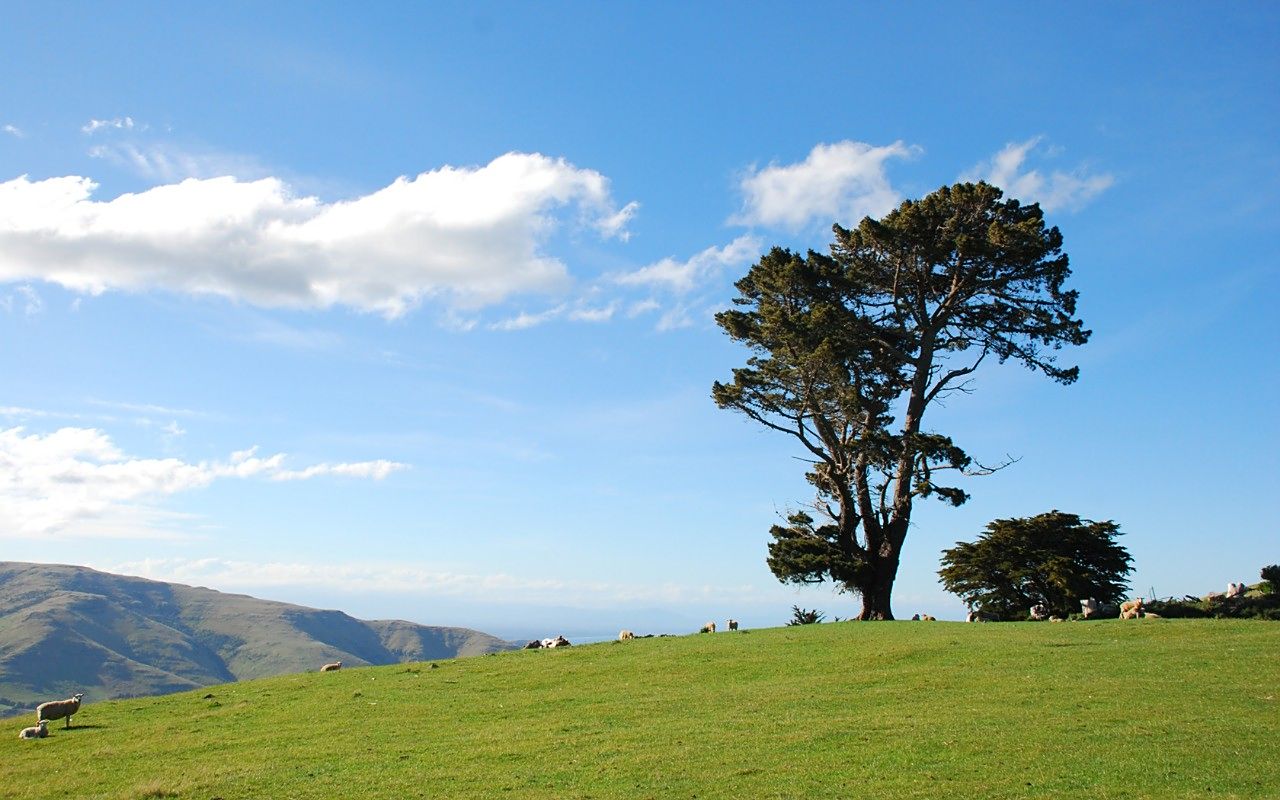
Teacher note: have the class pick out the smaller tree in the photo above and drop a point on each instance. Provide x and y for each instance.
(1055, 559)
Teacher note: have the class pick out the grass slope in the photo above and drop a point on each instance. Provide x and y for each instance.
(1152, 709)
(67, 629)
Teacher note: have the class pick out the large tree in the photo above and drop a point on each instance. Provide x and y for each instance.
(901, 313)
(1054, 559)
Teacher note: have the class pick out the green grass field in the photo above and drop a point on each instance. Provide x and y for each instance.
(1149, 709)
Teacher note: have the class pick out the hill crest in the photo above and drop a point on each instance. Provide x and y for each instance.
(65, 629)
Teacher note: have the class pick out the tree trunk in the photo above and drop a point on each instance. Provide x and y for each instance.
(876, 597)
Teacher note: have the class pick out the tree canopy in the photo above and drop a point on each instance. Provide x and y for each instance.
(901, 312)
(1055, 559)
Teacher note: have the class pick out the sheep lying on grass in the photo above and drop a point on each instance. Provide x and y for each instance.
(710, 627)
(1131, 609)
(626, 636)
(35, 731)
(334, 667)
(58, 709)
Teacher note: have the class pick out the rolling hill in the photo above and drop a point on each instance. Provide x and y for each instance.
(66, 629)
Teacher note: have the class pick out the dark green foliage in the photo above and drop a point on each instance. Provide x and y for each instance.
(1271, 577)
(900, 313)
(1248, 606)
(1055, 559)
(801, 616)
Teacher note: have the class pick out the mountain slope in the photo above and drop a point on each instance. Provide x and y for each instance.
(66, 629)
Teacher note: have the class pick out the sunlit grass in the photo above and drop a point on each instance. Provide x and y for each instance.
(1158, 709)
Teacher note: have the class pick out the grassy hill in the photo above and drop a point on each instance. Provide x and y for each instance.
(1112, 709)
(66, 629)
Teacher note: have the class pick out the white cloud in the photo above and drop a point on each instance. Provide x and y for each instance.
(118, 123)
(13, 130)
(76, 481)
(684, 276)
(841, 182)
(470, 236)
(1060, 191)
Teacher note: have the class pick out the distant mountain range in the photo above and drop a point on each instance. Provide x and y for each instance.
(66, 629)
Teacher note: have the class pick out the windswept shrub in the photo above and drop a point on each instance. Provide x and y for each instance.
(801, 616)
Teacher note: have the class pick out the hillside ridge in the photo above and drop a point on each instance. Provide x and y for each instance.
(66, 629)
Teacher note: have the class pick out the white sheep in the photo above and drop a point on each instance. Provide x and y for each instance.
(38, 731)
(58, 709)
(1235, 589)
(710, 627)
(626, 636)
(1088, 607)
(334, 667)
(1039, 611)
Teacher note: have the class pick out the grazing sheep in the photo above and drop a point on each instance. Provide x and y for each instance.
(1039, 611)
(334, 667)
(58, 709)
(1235, 589)
(1132, 613)
(1132, 607)
(710, 627)
(732, 624)
(35, 731)
(626, 636)
(915, 617)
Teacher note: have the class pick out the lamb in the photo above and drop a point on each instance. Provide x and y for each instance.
(1039, 611)
(1088, 607)
(58, 709)
(1235, 589)
(1132, 613)
(334, 667)
(35, 731)
(626, 636)
(1131, 609)
(710, 627)
(1151, 615)
(732, 624)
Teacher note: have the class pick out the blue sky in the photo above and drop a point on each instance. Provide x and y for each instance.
(408, 310)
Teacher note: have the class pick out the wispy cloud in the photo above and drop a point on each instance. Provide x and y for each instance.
(24, 299)
(77, 482)
(1059, 191)
(117, 123)
(12, 130)
(684, 276)
(166, 162)
(469, 236)
(841, 182)
(578, 312)
(424, 580)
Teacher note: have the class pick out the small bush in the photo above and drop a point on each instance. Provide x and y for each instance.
(1271, 579)
(801, 616)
